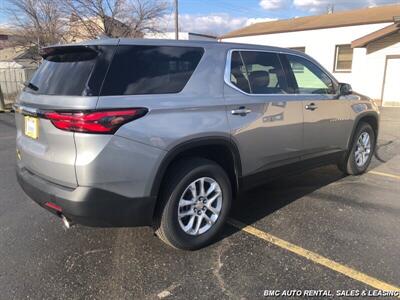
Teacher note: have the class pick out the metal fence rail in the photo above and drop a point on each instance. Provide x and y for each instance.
(11, 82)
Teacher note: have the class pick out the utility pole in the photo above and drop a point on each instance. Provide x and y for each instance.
(176, 21)
(331, 8)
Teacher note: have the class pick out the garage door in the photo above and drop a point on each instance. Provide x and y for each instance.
(391, 88)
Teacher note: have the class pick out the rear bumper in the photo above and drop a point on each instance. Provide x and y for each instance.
(88, 206)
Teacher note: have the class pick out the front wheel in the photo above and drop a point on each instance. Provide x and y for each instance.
(195, 203)
(359, 156)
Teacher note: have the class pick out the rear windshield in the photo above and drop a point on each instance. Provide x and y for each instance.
(72, 71)
(139, 70)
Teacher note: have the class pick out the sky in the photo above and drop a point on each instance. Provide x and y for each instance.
(221, 16)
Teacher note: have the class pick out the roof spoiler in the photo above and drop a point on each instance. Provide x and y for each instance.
(54, 50)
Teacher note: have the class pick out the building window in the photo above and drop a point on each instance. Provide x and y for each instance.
(343, 58)
(301, 49)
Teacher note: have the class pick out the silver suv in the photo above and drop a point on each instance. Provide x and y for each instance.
(123, 132)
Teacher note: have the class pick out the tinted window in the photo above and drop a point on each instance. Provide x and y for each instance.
(238, 73)
(139, 70)
(261, 70)
(309, 79)
(72, 71)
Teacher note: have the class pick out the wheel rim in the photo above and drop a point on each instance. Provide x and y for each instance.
(363, 149)
(200, 206)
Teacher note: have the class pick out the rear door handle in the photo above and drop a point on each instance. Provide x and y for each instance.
(311, 106)
(241, 111)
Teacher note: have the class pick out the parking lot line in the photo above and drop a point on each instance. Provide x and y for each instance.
(314, 257)
(384, 174)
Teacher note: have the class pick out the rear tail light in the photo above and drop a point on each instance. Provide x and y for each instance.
(94, 122)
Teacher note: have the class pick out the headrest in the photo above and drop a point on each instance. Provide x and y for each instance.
(259, 78)
(237, 72)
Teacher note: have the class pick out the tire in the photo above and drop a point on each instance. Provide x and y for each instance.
(351, 163)
(169, 227)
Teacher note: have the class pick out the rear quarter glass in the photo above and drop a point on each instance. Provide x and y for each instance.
(139, 70)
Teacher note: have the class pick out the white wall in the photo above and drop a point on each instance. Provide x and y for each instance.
(367, 70)
(182, 36)
(167, 35)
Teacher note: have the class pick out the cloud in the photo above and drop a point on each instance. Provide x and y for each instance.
(273, 4)
(312, 5)
(215, 24)
(318, 6)
(251, 21)
(221, 23)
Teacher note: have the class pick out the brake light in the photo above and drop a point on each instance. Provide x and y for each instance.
(94, 122)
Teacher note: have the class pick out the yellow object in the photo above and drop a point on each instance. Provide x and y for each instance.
(384, 174)
(32, 127)
(314, 257)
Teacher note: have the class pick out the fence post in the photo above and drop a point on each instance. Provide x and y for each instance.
(2, 104)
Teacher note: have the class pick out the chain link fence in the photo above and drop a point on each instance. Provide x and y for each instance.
(11, 83)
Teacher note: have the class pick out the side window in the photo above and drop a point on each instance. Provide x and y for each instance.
(309, 78)
(139, 70)
(238, 73)
(265, 72)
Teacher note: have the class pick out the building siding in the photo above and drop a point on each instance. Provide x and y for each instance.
(369, 65)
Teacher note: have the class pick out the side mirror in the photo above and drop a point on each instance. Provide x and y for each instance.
(345, 89)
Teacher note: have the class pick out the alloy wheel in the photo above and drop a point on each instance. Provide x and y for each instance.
(363, 149)
(200, 206)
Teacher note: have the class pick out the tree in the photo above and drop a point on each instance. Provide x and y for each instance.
(37, 23)
(113, 18)
(145, 16)
(41, 23)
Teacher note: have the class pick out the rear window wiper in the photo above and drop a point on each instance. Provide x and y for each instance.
(31, 86)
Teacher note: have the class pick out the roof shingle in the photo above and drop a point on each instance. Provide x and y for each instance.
(376, 35)
(380, 14)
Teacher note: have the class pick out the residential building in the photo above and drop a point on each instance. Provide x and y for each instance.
(360, 47)
(7, 37)
(17, 64)
(88, 28)
(182, 36)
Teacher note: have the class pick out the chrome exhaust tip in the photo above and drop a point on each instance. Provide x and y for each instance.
(66, 223)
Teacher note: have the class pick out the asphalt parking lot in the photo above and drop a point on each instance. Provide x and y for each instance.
(351, 225)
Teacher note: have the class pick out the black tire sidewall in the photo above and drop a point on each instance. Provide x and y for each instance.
(351, 164)
(174, 232)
